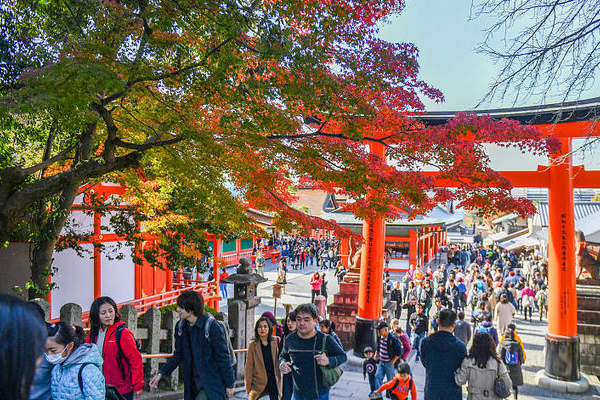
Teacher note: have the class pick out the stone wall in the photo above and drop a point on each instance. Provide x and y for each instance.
(588, 327)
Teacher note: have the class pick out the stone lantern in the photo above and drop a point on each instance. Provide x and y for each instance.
(241, 308)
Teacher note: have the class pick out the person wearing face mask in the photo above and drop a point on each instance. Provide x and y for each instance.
(122, 366)
(77, 372)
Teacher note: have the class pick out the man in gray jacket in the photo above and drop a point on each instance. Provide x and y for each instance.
(462, 330)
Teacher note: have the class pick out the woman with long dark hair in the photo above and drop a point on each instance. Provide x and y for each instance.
(122, 366)
(323, 286)
(290, 324)
(480, 368)
(261, 375)
(77, 372)
(22, 340)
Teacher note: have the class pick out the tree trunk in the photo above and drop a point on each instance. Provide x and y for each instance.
(41, 256)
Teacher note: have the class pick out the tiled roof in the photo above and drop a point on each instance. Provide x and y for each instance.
(504, 218)
(435, 217)
(582, 210)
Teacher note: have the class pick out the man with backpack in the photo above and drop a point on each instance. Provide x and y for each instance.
(202, 351)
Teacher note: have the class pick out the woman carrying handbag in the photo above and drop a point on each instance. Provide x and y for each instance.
(486, 376)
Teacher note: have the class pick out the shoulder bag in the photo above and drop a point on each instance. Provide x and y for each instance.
(330, 374)
(500, 388)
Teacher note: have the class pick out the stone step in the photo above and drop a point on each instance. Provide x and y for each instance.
(588, 329)
(337, 309)
(588, 302)
(345, 299)
(591, 317)
(352, 279)
(349, 288)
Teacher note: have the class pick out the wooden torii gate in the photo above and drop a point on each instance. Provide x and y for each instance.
(566, 121)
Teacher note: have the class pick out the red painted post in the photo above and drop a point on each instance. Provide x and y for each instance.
(97, 256)
(217, 245)
(370, 293)
(169, 282)
(412, 247)
(562, 342)
(344, 251)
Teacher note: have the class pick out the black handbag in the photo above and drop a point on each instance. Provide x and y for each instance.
(500, 388)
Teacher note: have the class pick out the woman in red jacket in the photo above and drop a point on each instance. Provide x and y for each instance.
(315, 285)
(122, 366)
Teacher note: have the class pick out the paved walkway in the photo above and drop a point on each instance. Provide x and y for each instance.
(352, 385)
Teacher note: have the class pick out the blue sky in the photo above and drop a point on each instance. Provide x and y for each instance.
(446, 39)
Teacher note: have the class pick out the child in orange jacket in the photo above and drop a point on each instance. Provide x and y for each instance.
(401, 384)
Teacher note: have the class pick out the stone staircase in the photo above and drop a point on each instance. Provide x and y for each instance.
(344, 308)
(588, 325)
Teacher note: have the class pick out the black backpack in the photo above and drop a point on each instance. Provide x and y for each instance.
(208, 323)
(118, 334)
(111, 392)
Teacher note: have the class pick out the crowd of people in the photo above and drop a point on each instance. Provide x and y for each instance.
(296, 358)
(60, 362)
(493, 286)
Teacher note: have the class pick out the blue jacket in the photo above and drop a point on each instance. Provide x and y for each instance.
(212, 370)
(65, 376)
(40, 390)
(442, 354)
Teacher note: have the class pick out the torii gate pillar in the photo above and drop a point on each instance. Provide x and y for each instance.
(562, 341)
(370, 292)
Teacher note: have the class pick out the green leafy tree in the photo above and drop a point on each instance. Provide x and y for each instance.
(224, 104)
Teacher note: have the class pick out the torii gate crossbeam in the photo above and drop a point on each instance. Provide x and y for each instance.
(565, 121)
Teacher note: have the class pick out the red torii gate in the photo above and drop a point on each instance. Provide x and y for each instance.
(565, 121)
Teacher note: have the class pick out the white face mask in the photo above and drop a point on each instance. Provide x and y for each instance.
(56, 358)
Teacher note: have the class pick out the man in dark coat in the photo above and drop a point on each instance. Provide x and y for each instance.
(396, 296)
(442, 354)
(207, 370)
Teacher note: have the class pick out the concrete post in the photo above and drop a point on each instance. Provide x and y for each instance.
(129, 315)
(169, 322)
(70, 314)
(151, 321)
(240, 340)
(321, 303)
(45, 306)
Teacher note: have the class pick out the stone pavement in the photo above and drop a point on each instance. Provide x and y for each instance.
(297, 290)
(352, 385)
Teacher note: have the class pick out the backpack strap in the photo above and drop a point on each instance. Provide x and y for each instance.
(80, 376)
(118, 333)
(207, 324)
